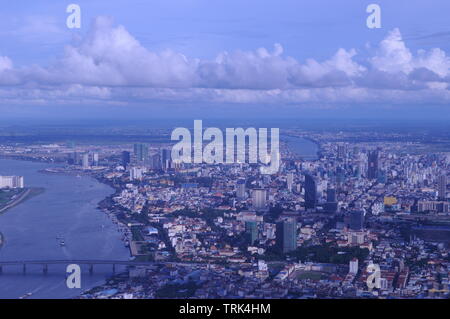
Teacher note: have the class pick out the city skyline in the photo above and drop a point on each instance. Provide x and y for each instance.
(240, 150)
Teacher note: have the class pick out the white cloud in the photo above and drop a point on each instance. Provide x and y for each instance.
(5, 63)
(393, 56)
(109, 64)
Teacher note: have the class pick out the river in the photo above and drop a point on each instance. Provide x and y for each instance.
(67, 208)
(303, 147)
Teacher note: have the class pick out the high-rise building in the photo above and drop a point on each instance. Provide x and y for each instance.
(331, 205)
(166, 158)
(126, 159)
(251, 231)
(310, 191)
(442, 187)
(353, 266)
(155, 161)
(372, 168)
(73, 159)
(357, 220)
(240, 189)
(286, 235)
(85, 161)
(11, 182)
(259, 198)
(290, 181)
(141, 152)
(95, 159)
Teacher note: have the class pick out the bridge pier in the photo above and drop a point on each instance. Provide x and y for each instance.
(24, 268)
(114, 268)
(1, 270)
(91, 269)
(45, 269)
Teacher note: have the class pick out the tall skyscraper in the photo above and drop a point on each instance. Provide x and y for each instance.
(372, 168)
(240, 189)
(85, 160)
(310, 191)
(442, 187)
(290, 181)
(74, 159)
(286, 235)
(126, 159)
(259, 198)
(95, 159)
(141, 152)
(331, 205)
(251, 231)
(155, 161)
(357, 220)
(166, 158)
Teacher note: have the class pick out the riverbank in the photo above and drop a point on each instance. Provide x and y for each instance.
(318, 144)
(106, 205)
(68, 208)
(26, 194)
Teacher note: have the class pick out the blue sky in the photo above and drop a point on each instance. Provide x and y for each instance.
(191, 54)
(202, 28)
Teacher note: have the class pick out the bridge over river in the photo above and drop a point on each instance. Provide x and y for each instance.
(90, 263)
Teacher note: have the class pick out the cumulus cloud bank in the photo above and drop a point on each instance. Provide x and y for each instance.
(110, 65)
